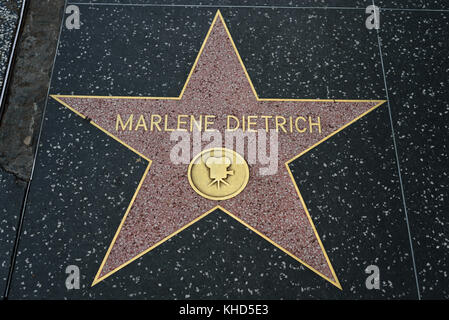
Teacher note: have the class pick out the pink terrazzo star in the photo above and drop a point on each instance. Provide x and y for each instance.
(270, 205)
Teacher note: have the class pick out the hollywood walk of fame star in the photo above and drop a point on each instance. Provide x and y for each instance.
(165, 204)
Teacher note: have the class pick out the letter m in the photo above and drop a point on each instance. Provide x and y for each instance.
(123, 126)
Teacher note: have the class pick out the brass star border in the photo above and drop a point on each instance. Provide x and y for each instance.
(218, 15)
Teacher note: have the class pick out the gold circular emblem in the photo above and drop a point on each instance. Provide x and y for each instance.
(218, 173)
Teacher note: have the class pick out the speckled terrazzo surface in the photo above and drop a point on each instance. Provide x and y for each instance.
(9, 16)
(11, 201)
(416, 57)
(84, 180)
(413, 4)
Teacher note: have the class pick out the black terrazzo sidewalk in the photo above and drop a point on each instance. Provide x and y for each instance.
(375, 200)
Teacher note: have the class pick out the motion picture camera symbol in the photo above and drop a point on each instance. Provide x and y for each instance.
(218, 174)
(218, 170)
